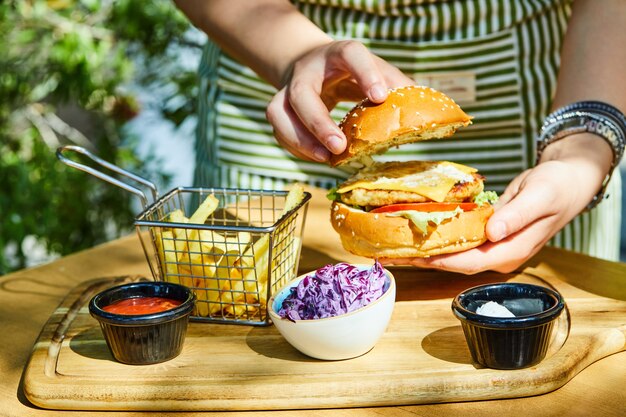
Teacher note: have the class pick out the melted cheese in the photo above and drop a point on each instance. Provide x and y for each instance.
(434, 181)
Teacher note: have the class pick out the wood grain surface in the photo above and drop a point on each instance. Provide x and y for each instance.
(422, 358)
(31, 296)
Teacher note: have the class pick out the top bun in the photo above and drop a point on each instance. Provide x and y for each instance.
(409, 114)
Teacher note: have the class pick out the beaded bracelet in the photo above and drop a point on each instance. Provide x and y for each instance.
(595, 117)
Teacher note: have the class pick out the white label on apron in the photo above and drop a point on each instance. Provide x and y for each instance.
(460, 86)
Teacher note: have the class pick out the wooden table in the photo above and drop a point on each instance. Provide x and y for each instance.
(28, 297)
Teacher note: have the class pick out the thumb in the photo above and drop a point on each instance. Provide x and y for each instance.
(517, 213)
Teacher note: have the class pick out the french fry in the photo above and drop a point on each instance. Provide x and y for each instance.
(258, 271)
(227, 272)
(158, 236)
(261, 250)
(225, 243)
(204, 259)
(255, 260)
(177, 216)
(190, 259)
(206, 208)
(230, 249)
(168, 248)
(294, 197)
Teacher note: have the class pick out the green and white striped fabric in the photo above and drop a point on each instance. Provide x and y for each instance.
(506, 52)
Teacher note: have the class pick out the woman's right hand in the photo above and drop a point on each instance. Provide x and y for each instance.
(331, 73)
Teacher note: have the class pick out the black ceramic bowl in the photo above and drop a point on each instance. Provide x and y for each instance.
(146, 338)
(508, 342)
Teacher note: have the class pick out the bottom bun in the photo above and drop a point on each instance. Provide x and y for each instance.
(376, 235)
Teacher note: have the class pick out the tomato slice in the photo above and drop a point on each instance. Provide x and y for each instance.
(430, 207)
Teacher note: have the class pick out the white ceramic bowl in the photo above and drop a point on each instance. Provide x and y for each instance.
(340, 337)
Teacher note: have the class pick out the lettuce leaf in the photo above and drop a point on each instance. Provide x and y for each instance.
(486, 197)
(332, 194)
(421, 218)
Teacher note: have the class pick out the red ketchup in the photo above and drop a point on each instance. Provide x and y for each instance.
(141, 305)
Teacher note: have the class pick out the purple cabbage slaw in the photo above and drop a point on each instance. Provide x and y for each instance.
(333, 290)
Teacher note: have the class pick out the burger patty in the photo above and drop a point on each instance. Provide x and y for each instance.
(459, 193)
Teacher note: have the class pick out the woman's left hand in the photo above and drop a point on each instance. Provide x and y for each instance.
(534, 207)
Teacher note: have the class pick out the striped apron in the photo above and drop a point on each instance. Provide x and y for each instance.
(497, 58)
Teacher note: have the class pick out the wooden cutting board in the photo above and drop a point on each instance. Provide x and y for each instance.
(422, 357)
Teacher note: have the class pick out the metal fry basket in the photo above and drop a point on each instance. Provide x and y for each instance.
(246, 249)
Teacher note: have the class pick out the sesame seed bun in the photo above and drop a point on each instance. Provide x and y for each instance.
(376, 235)
(409, 114)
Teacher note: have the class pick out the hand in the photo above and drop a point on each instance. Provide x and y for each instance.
(334, 72)
(533, 208)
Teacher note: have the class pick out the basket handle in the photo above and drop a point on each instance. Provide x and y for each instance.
(106, 177)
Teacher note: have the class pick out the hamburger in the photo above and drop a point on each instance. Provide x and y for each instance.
(407, 209)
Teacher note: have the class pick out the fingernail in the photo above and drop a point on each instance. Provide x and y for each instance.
(336, 144)
(321, 154)
(378, 92)
(498, 231)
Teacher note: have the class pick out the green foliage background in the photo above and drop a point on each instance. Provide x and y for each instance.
(78, 57)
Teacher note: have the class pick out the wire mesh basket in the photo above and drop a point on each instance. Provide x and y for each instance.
(233, 259)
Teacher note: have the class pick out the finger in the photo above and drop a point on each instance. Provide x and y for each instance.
(530, 204)
(511, 190)
(335, 91)
(417, 262)
(303, 95)
(291, 133)
(394, 78)
(362, 66)
(505, 256)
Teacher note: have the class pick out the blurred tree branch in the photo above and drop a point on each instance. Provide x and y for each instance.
(82, 55)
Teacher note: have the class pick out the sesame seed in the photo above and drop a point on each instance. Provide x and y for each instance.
(393, 106)
(375, 216)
